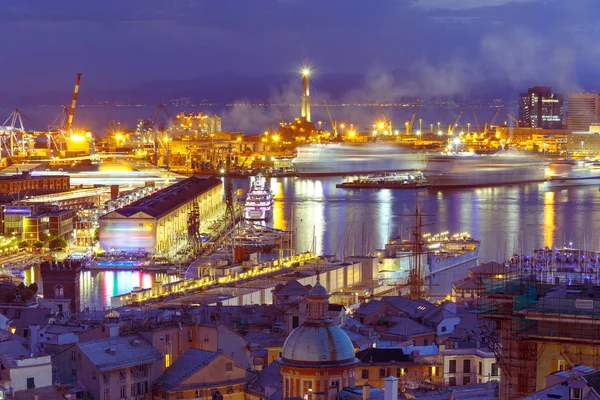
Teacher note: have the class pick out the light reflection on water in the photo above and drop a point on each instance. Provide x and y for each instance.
(505, 219)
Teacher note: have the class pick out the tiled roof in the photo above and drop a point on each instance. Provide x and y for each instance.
(120, 352)
(187, 364)
(382, 355)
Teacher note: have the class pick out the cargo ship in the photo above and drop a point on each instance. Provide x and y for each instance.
(470, 170)
(337, 159)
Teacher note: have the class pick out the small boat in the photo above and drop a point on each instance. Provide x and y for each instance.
(394, 181)
(259, 203)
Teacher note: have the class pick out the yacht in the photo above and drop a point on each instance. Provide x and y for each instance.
(259, 203)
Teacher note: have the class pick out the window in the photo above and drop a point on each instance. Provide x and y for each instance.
(307, 390)
(287, 387)
(167, 360)
(122, 375)
(94, 375)
(106, 378)
(123, 392)
(168, 337)
(133, 392)
(228, 367)
(190, 338)
(452, 381)
(365, 374)
(466, 380)
(425, 342)
(73, 355)
(59, 292)
(443, 329)
(382, 372)
(106, 395)
(466, 366)
(295, 321)
(398, 373)
(452, 366)
(30, 383)
(494, 369)
(480, 370)
(575, 394)
(335, 384)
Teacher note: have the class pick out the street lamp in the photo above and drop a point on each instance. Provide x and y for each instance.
(582, 147)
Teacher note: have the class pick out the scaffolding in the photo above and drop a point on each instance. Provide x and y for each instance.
(540, 326)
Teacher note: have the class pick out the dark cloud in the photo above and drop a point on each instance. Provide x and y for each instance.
(125, 42)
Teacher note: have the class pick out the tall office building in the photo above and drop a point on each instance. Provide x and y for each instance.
(584, 110)
(540, 108)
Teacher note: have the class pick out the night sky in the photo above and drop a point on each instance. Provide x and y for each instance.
(123, 43)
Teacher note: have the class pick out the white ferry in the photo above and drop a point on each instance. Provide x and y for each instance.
(469, 169)
(335, 159)
(259, 203)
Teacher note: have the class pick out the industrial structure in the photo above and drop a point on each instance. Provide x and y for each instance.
(540, 327)
(159, 222)
(540, 108)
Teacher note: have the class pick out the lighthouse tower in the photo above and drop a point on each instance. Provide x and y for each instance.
(305, 112)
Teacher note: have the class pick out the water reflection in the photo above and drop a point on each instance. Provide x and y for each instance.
(548, 217)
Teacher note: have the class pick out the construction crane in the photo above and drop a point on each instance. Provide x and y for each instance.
(333, 123)
(412, 118)
(73, 102)
(489, 126)
(516, 121)
(476, 120)
(456, 121)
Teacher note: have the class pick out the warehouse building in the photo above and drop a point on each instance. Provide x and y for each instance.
(159, 221)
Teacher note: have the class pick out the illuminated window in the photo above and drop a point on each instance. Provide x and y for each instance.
(167, 360)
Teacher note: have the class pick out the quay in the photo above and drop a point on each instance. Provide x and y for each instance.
(252, 283)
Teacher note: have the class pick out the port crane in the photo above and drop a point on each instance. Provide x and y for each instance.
(412, 118)
(10, 128)
(489, 126)
(331, 121)
(476, 119)
(512, 117)
(456, 121)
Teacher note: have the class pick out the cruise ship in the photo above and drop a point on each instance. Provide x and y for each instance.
(569, 173)
(259, 202)
(468, 169)
(335, 159)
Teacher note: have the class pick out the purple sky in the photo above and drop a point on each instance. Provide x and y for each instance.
(122, 43)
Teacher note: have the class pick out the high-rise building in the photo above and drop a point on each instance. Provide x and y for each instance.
(584, 110)
(540, 108)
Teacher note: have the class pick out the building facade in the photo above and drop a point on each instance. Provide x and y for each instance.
(117, 368)
(25, 182)
(540, 108)
(583, 111)
(159, 222)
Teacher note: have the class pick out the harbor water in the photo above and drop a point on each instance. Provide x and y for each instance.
(327, 220)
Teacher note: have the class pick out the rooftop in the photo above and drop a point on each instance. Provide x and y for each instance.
(165, 200)
(187, 364)
(113, 353)
(382, 355)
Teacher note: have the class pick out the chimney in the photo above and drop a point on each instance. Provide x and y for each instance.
(366, 392)
(34, 338)
(390, 388)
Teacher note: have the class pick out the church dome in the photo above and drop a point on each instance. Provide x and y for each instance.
(318, 343)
